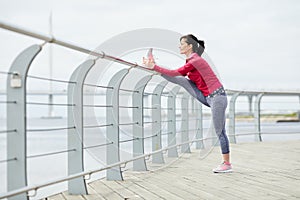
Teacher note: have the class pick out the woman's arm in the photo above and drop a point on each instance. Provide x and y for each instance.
(182, 71)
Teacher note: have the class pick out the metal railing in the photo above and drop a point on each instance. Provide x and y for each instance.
(191, 112)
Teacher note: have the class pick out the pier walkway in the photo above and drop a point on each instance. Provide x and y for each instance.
(262, 170)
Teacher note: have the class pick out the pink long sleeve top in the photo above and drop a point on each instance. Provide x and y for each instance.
(198, 71)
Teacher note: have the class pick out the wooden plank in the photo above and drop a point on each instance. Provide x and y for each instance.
(55, 197)
(92, 194)
(265, 191)
(135, 187)
(263, 180)
(118, 187)
(177, 186)
(72, 197)
(191, 190)
(104, 191)
(262, 170)
(169, 191)
(143, 181)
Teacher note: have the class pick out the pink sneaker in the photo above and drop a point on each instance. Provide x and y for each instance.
(225, 167)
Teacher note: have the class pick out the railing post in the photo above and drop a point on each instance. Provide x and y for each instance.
(156, 127)
(257, 117)
(113, 131)
(138, 128)
(16, 120)
(193, 106)
(185, 148)
(172, 152)
(75, 136)
(250, 97)
(232, 104)
(199, 125)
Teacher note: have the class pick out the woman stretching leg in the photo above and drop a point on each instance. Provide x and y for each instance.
(202, 84)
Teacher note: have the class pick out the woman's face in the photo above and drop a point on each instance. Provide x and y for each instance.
(184, 47)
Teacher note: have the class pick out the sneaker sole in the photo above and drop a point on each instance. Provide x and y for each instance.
(225, 171)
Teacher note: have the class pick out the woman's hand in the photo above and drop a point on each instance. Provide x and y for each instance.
(148, 63)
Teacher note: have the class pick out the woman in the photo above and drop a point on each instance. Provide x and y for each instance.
(203, 84)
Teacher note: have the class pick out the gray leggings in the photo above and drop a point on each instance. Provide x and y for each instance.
(218, 105)
(189, 85)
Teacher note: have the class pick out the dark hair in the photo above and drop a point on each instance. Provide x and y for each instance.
(198, 45)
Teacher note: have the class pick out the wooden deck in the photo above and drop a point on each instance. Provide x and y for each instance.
(267, 170)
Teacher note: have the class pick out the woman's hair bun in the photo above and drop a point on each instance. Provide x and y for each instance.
(201, 43)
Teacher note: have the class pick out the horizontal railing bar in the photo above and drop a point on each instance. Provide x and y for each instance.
(166, 108)
(128, 90)
(197, 129)
(125, 124)
(277, 102)
(48, 39)
(167, 120)
(241, 125)
(149, 93)
(2, 72)
(50, 79)
(182, 131)
(263, 133)
(71, 177)
(50, 129)
(14, 102)
(154, 108)
(99, 145)
(99, 106)
(49, 104)
(109, 106)
(8, 160)
(137, 138)
(151, 122)
(193, 119)
(100, 86)
(209, 138)
(180, 97)
(281, 125)
(266, 125)
(97, 126)
(165, 95)
(8, 131)
(9, 73)
(244, 134)
(128, 107)
(129, 140)
(279, 133)
(49, 154)
(167, 133)
(279, 93)
(151, 136)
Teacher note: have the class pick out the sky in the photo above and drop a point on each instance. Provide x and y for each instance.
(254, 44)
